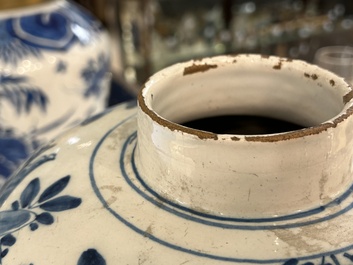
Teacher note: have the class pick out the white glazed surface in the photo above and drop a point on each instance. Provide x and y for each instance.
(267, 184)
(48, 84)
(94, 194)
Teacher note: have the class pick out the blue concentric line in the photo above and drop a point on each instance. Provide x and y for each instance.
(157, 198)
(143, 233)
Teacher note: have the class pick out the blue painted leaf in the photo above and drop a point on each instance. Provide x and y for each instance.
(30, 100)
(15, 205)
(30, 192)
(33, 226)
(4, 79)
(348, 256)
(54, 189)
(61, 204)
(4, 253)
(8, 240)
(11, 221)
(43, 100)
(23, 96)
(45, 219)
(31, 164)
(13, 150)
(91, 257)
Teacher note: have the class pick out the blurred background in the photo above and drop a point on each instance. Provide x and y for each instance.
(148, 35)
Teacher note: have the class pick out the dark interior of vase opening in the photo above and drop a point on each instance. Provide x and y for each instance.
(242, 124)
(241, 102)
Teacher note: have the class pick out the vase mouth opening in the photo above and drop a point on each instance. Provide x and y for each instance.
(266, 88)
(218, 173)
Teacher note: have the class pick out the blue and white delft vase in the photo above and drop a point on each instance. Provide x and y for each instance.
(54, 73)
(133, 186)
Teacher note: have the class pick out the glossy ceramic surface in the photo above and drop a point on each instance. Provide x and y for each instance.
(132, 186)
(54, 72)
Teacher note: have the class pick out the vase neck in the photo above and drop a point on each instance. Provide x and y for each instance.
(245, 176)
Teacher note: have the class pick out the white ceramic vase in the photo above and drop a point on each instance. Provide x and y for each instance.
(54, 73)
(134, 186)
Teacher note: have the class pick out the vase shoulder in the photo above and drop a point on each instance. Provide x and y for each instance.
(110, 190)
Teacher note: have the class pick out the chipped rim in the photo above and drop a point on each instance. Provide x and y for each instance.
(197, 67)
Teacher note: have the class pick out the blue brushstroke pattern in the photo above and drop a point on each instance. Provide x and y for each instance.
(12, 152)
(25, 210)
(93, 75)
(91, 257)
(18, 91)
